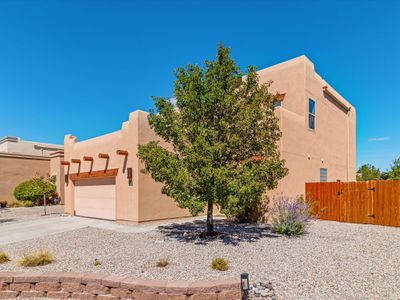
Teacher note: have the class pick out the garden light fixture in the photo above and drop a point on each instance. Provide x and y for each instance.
(244, 283)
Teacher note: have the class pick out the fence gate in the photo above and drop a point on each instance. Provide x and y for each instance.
(366, 202)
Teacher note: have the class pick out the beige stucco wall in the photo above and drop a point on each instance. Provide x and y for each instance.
(331, 145)
(143, 201)
(153, 204)
(16, 168)
(57, 170)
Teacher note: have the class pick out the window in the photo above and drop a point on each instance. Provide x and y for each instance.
(323, 174)
(278, 100)
(311, 114)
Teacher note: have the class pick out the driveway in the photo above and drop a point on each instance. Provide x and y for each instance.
(20, 224)
(28, 213)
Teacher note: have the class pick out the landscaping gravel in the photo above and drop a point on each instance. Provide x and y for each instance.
(332, 261)
(18, 214)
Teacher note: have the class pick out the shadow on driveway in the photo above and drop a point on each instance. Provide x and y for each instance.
(230, 233)
(6, 220)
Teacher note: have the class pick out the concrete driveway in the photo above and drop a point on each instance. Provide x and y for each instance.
(21, 228)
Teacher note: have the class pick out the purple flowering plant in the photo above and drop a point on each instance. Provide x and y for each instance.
(290, 215)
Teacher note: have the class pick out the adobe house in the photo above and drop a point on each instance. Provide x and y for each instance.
(21, 160)
(104, 178)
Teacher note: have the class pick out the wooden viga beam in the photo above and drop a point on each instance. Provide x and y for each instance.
(104, 155)
(122, 152)
(88, 158)
(76, 161)
(64, 163)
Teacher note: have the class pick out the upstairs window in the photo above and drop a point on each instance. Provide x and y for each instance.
(278, 100)
(277, 103)
(311, 114)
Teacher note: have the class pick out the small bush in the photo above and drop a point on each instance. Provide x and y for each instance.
(4, 258)
(163, 262)
(290, 215)
(32, 190)
(219, 264)
(28, 203)
(40, 258)
(3, 204)
(96, 262)
(16, 204)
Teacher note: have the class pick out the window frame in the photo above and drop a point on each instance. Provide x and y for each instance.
(325, 175)
(310, 114)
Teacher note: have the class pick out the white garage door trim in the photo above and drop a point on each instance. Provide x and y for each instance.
(95, 198)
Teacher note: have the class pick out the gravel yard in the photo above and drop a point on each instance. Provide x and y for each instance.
(27, 213)
(333, 261)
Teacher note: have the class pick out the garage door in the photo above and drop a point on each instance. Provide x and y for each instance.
(95, 198)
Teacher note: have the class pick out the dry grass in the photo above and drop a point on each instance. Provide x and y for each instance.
(163, 262)
(40, 258)
(4, 258)
(219, 264)
(16, 204)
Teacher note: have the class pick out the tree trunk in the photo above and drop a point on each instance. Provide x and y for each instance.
(210, 221)
(44, 203)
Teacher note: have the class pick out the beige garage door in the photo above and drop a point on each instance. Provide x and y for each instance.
(95, 198)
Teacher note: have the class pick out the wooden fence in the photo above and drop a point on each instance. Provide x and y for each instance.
(368, 202)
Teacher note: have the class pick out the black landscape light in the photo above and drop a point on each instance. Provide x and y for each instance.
(244, 283)
(129, 176)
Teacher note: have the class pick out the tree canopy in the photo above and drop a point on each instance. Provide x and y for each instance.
(368, 172)
(394, 172)
(223, 132)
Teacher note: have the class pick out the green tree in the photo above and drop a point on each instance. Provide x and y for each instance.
(34, 189)
(394, 172)
(223, 132)
(368, 172)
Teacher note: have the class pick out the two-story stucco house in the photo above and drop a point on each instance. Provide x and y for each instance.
(104, 178)
(318, 126)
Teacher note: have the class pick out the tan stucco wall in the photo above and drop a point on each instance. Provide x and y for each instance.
(331, 145)
(17, 168)
(57, 170)
(153, 204)
(143, 201)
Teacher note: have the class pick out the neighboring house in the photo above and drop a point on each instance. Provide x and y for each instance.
(104, 178)
(21, 160)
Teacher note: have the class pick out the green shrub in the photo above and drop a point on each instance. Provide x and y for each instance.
(253, 212)
(219, 264)
(3, 203)
(4, 258)
(163, 262)
(40, 258)
(28, 203)
(32, 190)
(16, 204)
(96, 262)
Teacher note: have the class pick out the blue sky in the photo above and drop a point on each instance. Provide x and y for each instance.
(92, 62)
